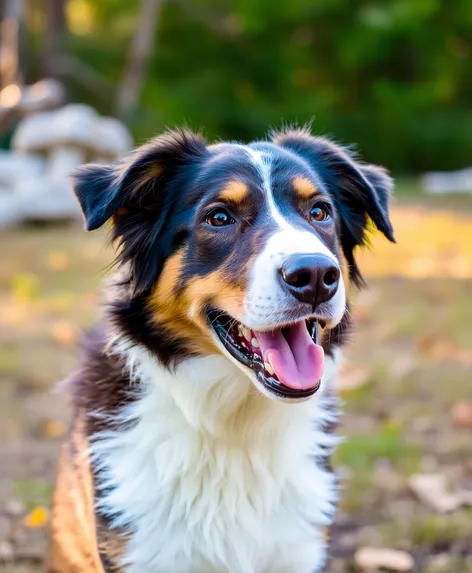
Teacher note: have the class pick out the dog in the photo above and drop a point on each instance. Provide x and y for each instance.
(204, 399)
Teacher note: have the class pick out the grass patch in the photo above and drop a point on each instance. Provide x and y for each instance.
(9, 360)
(442, 529)
(33, 492)
(359, 452)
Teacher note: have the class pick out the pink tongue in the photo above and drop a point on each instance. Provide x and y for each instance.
(297, 361)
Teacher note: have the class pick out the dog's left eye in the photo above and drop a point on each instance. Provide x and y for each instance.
(219, 218)
(320, 212)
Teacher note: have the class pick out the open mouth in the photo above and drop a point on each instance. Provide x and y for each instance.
(288, 360)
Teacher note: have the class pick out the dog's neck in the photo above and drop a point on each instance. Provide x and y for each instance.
(199, 445)
(215, 397)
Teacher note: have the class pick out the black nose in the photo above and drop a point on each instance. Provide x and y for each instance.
(310, 278)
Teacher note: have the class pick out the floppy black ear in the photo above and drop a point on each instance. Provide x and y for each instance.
(104, 189)
(360, 191)
(141, 191)
(99, 191)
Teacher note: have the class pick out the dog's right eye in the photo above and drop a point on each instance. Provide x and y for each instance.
(219, 218)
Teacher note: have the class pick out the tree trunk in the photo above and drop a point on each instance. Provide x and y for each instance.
(54, 38)
(141, 47)
(10, 42)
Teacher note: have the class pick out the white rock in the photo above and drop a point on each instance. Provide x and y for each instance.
(46, 199)
(441, 183)
(48, 146)
(372, 558)
(14, 164)
(63, 161)
(74, 124)
(43, 132)
(45, 94)
(10, 209)
(33, 134)
(111, 139)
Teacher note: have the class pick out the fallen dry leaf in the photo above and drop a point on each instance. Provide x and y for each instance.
(443, 350)
(372, 558)
(462, 414)
(432, 490)
(52, 428)
(38, 517)
(64, 333)
(351, 378)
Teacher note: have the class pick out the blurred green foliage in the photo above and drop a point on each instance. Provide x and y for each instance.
(394, 76)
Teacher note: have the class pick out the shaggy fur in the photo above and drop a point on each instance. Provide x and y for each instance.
(185, 456)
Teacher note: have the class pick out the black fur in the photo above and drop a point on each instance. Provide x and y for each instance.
(159, 195)
(130, 316)
(147, 186)
(359, 190)
(159, 199)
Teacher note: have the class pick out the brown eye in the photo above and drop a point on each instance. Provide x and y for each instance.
(320, 212)
(219, 218)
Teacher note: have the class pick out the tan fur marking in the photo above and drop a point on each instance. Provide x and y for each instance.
(116, 217)
(73, 540)
(182, 315)
(152, 172)
(234, 192)
(167, 283)
(304, 187)
(155, 170)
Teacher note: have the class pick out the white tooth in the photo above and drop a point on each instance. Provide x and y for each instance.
(247, 334)
(255, 343)
(244, 344)
(269, 368)
(240, 329)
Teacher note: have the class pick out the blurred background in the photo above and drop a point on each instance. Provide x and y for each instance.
(86, 80)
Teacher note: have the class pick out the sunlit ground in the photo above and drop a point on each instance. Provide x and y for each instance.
(410, 365)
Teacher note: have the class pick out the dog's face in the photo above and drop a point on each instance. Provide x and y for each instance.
(244, 250)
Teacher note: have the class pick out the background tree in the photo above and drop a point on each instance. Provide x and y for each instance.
(141, 47)
(392, 75)
(54, 40)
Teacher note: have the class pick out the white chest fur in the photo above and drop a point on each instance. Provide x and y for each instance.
(208, 476)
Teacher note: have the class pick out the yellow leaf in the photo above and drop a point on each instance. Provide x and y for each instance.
(38, 517)
(25, 286)
(58, 261)
(53, 428)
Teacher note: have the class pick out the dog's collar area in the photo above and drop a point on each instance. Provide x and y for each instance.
(243, 345)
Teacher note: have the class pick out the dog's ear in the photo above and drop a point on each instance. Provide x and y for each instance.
(360, 191)
(138, 193)
(102, 190)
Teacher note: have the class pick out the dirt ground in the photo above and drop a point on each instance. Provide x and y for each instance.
(406, 385)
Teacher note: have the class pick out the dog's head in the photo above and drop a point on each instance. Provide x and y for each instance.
(239, 249)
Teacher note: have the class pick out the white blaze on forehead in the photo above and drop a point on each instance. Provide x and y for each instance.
(266, 300)
(263, 164)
